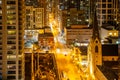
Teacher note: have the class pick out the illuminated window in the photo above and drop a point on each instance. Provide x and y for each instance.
(0, 11)
(68, 19)
(11, 7)
(11, 22)
(41, 31)
(0, 2)
(110, 33)
(11, 67)
(11, 17)
(11, 32)
(11, 12)
(68, 24)
(115, 34)
(12, 57)
(72, 2)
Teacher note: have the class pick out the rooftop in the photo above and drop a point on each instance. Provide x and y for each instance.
(110, 49)
(108, 73)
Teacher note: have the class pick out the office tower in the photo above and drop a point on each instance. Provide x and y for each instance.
(107, 11)
(11, 39)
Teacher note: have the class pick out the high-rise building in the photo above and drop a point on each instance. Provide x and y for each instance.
(38, 4)
(107, 11)
(74, 12)
(11, 39)
(67, 4)
(34, 20)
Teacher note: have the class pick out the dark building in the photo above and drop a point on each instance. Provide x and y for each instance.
(110, 58)
(110, 50)
(74, 12)
(67, 4)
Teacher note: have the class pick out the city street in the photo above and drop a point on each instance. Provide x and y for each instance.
(67, 69)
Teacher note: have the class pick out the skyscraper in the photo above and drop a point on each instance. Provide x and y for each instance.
(11, 39)
(107, 11)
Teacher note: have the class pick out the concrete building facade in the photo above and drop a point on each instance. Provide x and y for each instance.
(79, 35)
(11, 39)
(107, 11)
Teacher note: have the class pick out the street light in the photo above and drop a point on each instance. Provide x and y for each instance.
(32, 62)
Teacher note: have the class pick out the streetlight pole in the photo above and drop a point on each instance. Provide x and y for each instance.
(32, 63)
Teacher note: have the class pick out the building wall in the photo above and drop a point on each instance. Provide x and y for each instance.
(99, 75)
(78, 34)
(109, 33)
(110, 58)
(11, 45)
(107, 10)
(34, 17)
(75, 17)
(46, 41)
(34, 21)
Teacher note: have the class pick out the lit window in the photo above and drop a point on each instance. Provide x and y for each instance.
(41, 31)
(11, 67)
(11, 32)
(11, 57)
(0, 2)
(115, 34)
(110, 33)
(68, 19)
(72, 2)
(11, 12)
(68, 24)
(0, 11)
(10, 17)
(11, 7)
(10, 22)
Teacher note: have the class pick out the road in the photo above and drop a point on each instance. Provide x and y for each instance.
(66, 68)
